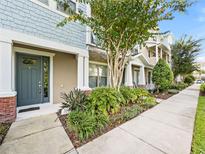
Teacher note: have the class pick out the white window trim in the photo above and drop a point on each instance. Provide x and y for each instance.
(54, 9)
(102, 64)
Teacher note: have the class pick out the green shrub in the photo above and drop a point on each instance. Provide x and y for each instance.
(74, 100)
(128, 94)
(189, 79)
(148, 102)
(127, 112)
(202, 88)
(101, 120)
(179, 86)
(132, 112)
(173, 91)
(105, 100)
(140, 94)
(82, 123)
(162, 75)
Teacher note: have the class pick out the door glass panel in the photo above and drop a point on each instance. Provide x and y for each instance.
(28, 61)
(46, 78)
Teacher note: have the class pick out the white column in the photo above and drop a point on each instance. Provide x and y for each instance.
(161, 53)
(167, 56)
(6, 69)
(157, 53)
(128, 75)
(142, 76)
(82, 72)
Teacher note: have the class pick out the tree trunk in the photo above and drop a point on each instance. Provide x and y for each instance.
(116, 65)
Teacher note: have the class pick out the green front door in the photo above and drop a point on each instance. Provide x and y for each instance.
(30, 79)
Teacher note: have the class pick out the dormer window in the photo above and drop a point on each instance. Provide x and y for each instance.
(44, 1)
(61, 7)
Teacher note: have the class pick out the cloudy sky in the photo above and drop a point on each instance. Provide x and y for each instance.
(192, 22)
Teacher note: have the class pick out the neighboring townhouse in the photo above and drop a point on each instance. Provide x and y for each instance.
(38, 60)
(138, 72)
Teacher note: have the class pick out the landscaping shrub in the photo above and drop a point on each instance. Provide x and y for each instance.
(202, 88)
(179, 86)
(105, 100)
(82, 123)
(127, 112)
(148, 102)
(189, 79)
(74, 100)
(162, 75)
(128, 94)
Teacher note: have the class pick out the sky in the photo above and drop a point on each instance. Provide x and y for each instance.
(191, 23)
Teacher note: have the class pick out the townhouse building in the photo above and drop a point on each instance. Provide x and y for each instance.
(39, 61)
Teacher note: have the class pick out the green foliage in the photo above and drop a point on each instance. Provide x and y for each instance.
(202, 88)
(162, 75)
(121, 24)
(198, 144)
(127, 112)
(148, 102)
(189, 79)
(74, 100)
(179, 86)
(82, 123)
(184, 53)
(173, 91)
(128, 94)
(105, 100)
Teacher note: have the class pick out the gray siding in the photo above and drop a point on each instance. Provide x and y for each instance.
(27, 17)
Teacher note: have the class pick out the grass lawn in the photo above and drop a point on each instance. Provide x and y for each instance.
(198, 145)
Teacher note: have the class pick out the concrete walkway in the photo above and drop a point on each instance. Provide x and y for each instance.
(166, 128)
(39, 135)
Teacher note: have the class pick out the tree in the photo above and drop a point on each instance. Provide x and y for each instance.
(184, 54)
(162, 75)
(121, 24)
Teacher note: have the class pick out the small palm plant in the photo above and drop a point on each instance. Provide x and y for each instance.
(74, 100)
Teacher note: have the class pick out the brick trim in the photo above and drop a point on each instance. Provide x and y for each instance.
(7, 109)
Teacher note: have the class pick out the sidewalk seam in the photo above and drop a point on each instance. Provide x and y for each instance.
(19, 138)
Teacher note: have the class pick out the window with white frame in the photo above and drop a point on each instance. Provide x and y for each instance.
(44, 1)
(97, 75)
(135, 76)
(63, 8)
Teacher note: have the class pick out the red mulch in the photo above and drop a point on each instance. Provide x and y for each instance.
(165, 95)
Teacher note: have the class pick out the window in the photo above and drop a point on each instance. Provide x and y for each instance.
(97, 76)
(135, 77)
(149, 77)
(46, 79)
(64, 7)
(44, 1)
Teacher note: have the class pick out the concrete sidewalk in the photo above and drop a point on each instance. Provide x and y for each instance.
(166, 128)
(39, 135)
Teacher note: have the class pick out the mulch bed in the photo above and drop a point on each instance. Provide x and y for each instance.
(113, 124)
(164, 96)
(4, 127)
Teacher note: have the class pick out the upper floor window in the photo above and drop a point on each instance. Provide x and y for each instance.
(63, 8)
(44, 1)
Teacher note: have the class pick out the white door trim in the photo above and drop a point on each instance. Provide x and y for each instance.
(40, 53)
